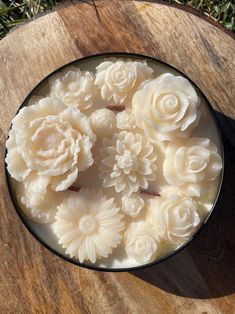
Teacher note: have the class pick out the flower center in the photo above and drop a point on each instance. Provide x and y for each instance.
(88, 224)
(48, 138)
(194, 164)
(168, 104)
(127, 160)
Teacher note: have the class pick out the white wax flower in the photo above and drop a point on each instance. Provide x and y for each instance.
(176, 218)
(88, 225)
(166, 108)
(126, 120)
(132, 205)
(190, 163)
(74, 87)
(40, 207)
(142, 242)
(120, 79)
(49, 144)
(128, 162)
(103, 122)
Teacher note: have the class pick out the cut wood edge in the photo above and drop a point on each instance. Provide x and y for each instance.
(67, 3)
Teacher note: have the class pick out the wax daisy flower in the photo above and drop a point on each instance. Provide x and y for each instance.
(88, 225)
(120, 79)
(142, 242)
(76, 88)
(128, 162)
(48, 145)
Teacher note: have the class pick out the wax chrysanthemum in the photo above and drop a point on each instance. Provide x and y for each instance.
(128, 162)
(88, 225)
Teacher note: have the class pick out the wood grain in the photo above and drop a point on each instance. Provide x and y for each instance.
(200, 279)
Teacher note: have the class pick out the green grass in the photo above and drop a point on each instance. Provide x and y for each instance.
(14, 12)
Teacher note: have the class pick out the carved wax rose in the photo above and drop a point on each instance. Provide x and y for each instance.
(191, 163)
(175, 218)
(132, 205)
(142, 242)
(118, 80)
(166, 108)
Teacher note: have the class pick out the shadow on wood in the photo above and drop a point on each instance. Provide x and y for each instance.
(205, 269)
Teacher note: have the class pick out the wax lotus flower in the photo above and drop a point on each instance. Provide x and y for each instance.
(191, 163)
(48, 145)
(175, 218)
(166, 108)
(142, 242)
(128, 162)
(88, 225)
(40, 207)
(103, 122)
(74, 87)
(120, 79)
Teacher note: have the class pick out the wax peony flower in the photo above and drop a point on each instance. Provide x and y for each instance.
(120, 79)
(40, 207)
(128, 162)
(74, 87)
(48, 145)
(166, 108)
(190, 163)
(88, 225)
(103, 122)
(175, 218)
(126, 120)
(142, 242)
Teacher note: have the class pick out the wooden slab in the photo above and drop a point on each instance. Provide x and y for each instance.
(200, 279)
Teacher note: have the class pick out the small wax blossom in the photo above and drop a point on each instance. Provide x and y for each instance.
(142, 242)
(103, 122)
(132, 205)
(191, 163)
(126, 120)
(40, 207)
